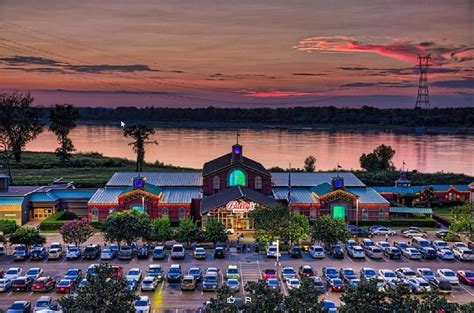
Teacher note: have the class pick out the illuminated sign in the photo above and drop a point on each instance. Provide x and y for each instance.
(240, 207)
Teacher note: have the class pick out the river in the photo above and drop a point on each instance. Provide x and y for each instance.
(192, 147)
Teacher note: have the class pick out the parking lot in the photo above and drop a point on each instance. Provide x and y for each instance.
(170, 298)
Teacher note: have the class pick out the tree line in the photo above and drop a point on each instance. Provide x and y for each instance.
(436, 117)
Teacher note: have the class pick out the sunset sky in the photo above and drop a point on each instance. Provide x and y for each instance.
(236, 53)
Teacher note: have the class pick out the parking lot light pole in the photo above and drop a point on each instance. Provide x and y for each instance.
(357, 212)
(278, 253)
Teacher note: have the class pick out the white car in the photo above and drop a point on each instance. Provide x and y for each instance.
(419, 285)
(357, 252)
(384, 230)
(440, 244)
(463, 253)
(143, 304)
(460, 244)
(445, 254)
(412, 253)
(413, 233)
(106, 254)
(229, 231)
(374, 252)
(73, 253)
(288, 273)
(293, 283)
(134, 273)
(199, 253)
(387, 275)
(12, 273)
(149, 283)
(449, 275)
(317, 252)
(177, 251)
(54, 254)
(405, 272)
(383, 245)
(233, 284)
(272, 252)
(34, 272)
(43, 303)
(5, 284)
(426, 273)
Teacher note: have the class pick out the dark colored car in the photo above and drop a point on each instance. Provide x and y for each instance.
(126, 253)
(143, 252)
(22, 284)
(20, 253)
(196, 273)
(346, 274)
(91, 252)
(174, 273)
(38, 253)
(219, 253)
(336, 285)
(159, 253)
(132, 285)
(210, 282)
(330, 272)
(337, 252)
(155, 270)
(20, 307)
(43, 284)
(360, 232)
(443, 285)
(295, 252)
(392, 253)
(319, 284)
(428, 253)
(73, 274)
(306, 271)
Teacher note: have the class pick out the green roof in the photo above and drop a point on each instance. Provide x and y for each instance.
(410, 210)
(148, 188)
(322, 189)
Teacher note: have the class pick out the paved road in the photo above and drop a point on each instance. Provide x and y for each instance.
(169, 297)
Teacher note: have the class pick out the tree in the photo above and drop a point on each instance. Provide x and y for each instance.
(462, 219)
(187, 231)
(7, 226)
(428, 195)
(103, 293)
(7, 154)
(26, 236)
(270, 222)
(400, 299)
(160, 230)
(221, 303)
(330, 231)
(367, 290)
(297, 229)
(62, 119)
(263, 298)
(76, 231)
(379, 159)
(303, 299)
(215, 231)
(310, 164)
(19, 122)
(126, 226)
(141, 135)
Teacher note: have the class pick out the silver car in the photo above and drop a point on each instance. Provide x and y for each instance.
(233, 284)
(149, 283)
(5, 284)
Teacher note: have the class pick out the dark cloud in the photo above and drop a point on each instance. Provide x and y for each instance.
(354, 68)
(28, 60)
(108, 92)
(359, 84)
(467, 83)
(308, 74)
(103, 68)
(379, 84)
(36, 69)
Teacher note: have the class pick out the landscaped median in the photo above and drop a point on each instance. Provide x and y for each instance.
(58, 219)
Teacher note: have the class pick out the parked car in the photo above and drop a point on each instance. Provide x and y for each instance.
(366, 243)
(196, 273)
(274, 284)
(134, 273)
(174, 273)
(351, 243)
(383, 245)
(5, 284)
(445, 254)
(91, 252)
(12, 273)
(149, 283)
(319, 284)
(219, 253)
(329, 306)
(411, 253)
(143, 304)
(188, 283)
(210, 281)
(272, 251)
(442, 285)
(177, 251)
(288, 272)
(34, 272)
(159, 253)
(337, 252)
(387, 275)
(402, 245)
(44, 284)
(54, 254)
(463, 253)
(73, 252)
(22, 283)
(419, 285)
(440, 244)
(317, 252)
(56, 245)
(115, 248)
(449, 275)
(143, 252)
(107, 254)
(360, 232)
(295, 252)
(232, 272)
(374, 252)
(199, 253)
(414, 233)
(74, 274)
(424, 246)
(405, 273)
(126, 253)
(466, 277)
(330, 272)
(347, 273)
(306, 271)
(269, 273)
(384, 231)
(3, 251)
(155, 270)
(441, 233)
(20, 306)
(418, 229)
(392, 253)
(132, 285)
(233, 284)
(367, 273)
(38, 253)
(425, 273)
(293, 283)
(20, 253)
(117, 271)
(43, 303)
(356, 252)
(460, 244)
(336, 285)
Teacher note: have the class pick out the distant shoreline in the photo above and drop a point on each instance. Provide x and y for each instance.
(291, 127)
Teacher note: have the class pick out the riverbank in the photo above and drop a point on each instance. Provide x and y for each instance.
(91, 170)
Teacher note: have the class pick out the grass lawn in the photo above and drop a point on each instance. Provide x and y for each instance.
(444, 212)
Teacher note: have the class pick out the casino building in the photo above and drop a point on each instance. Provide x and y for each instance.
(230, 187)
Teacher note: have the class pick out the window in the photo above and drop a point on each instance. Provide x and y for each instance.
(339, 212)
(258, 182)
(165, 212)
(364, 215)
(95, 214)
(237, 178)
(182, 213)
(216, 183)
(381, 214)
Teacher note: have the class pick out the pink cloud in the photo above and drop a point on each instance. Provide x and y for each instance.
(275, 93)
(391, 47)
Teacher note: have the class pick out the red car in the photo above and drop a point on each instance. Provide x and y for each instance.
(336, 285)
(64, 286)
(44, 284)
(305, 271)
(117, 271)
(466, 277)
(269, 273)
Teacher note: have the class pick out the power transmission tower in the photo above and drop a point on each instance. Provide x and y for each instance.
(423, 97)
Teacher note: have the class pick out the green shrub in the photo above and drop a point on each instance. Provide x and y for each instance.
(371, 223)
(99, 225)
(53, 222)
(400, 222)
(7, 226)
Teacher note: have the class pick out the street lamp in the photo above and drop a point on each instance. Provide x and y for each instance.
(357, 212)
(278, 252)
